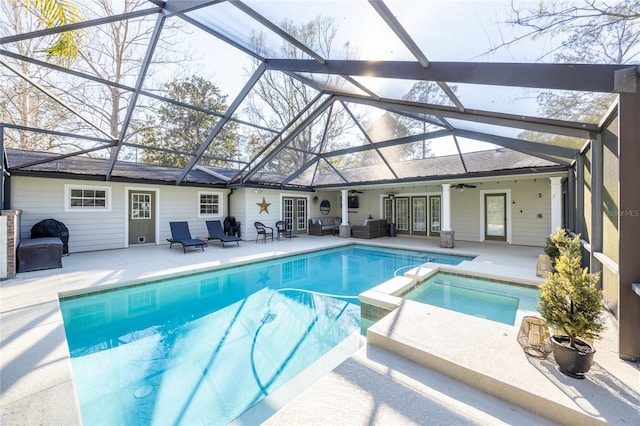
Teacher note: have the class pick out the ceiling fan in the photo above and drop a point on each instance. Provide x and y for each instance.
(463, 185)
(354, 191)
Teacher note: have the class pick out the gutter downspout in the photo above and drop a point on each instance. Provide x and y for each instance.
(229, 202)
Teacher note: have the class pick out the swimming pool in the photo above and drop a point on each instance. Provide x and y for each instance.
(203, 349)
(480, 297)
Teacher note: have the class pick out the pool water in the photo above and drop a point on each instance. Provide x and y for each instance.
(479, 297)
(203, 349)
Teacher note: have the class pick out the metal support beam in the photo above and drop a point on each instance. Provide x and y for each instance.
(371, 144)
(581, 77)
(532, 148)
(595, 233)
(455, 139)
(276, 29)
(307, 121)
(54, 98)
(61, 157)
(404, 36)
(580, 225)
(125, 87)
(570, 208)
(388, 17)
(57, 133)
(220, 124)
(629, 225)
(80, 25)
(536, 124)
(153, 42)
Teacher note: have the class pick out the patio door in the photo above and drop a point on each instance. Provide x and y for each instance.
(419, 215)
(141, 217)
(402, 215)
(495, 214)
(294, 212)
(435, 213)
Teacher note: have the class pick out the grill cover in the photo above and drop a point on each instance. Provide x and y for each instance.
(52, 228)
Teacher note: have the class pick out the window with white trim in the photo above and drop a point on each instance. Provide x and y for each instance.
(209, 204)
(87, 198)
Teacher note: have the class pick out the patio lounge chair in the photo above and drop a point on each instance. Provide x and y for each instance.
(180, 235)
(217, 233)
(264, 231)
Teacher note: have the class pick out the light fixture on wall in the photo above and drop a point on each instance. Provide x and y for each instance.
(391, 196)
(258, 191)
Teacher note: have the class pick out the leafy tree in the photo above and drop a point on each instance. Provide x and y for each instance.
(20, 102)
(56, 13)
(184, 129)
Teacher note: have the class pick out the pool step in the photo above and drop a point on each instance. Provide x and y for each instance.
(485, 354)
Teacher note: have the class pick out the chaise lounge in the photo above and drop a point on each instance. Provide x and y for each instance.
(180, 234)
(217, 233)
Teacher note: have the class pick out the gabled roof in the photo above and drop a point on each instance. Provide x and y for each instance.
(482, 163)
(31, 163)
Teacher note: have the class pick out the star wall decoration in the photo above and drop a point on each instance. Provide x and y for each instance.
(264, 206)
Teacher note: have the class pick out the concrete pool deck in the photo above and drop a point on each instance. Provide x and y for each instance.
(37, 385)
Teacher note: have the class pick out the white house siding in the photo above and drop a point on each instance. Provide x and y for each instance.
(465, 214)
(245, 208)
(43, 198)
(531, 211)
(334, 199)
(252, 210)
(526, 227)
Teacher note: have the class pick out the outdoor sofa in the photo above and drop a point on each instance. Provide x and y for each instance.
(371, 228)
(326, 225)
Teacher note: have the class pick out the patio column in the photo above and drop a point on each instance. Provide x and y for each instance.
(446, 233)
(446, 207)
(628, 216)
(556, 203)
(345, 229)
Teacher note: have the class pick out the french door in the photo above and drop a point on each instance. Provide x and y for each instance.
(294, 212)
(435, 215)
(495, 217)
(402, 215)
(419, 215)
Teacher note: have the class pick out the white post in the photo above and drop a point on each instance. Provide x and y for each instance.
(446, 207)
(345, 210)
(556, 203)
(345, 229)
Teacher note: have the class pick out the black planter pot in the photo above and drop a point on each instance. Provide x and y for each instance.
(572, 362)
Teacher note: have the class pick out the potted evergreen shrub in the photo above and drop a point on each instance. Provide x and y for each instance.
(572, 306)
